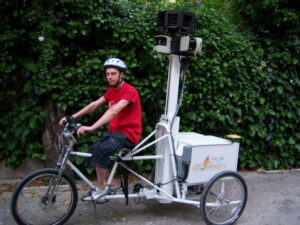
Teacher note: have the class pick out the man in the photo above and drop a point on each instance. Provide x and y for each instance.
(124, 115)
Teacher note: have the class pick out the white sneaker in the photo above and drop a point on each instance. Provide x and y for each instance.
(98, 193)
(113, 189)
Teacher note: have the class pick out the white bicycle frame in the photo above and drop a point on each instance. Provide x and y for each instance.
(155, 192)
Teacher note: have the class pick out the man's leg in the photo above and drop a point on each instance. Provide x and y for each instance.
(102, 177)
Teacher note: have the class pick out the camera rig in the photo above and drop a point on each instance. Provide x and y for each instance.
(177, 24)
(179, 47)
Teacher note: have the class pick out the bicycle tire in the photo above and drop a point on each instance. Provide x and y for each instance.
(31, 205)
(224, 198)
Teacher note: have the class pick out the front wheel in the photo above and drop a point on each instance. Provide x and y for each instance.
(36, 200)
(224, 198)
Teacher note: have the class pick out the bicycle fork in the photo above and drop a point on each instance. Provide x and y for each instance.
(54, 181)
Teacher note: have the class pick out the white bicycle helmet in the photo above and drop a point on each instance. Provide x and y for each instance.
(115, 62)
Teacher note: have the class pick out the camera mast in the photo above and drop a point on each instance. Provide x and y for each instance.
(176, 45)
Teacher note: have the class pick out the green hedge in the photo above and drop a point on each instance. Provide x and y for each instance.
(227, 88)
(279, 35)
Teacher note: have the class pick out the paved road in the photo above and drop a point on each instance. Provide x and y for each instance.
(273, 199)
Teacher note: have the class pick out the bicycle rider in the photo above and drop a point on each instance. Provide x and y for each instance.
(124, 115)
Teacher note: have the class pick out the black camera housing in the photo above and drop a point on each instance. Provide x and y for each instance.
(176, 22)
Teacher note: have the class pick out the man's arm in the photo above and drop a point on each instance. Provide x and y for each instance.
(88, 109)
(105, 118)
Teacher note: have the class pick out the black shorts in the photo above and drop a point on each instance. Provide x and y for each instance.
(108, 144)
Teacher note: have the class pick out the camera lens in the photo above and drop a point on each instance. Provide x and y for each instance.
(173, 21)
(192, 44)
(161, 41)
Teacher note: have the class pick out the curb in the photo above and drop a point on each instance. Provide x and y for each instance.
(277, 171)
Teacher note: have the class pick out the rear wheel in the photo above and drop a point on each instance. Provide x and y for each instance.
(33, 203)
(223, 199)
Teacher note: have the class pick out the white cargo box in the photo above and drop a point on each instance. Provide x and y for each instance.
(209, 155)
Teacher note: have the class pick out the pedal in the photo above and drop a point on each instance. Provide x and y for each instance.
(137, 187)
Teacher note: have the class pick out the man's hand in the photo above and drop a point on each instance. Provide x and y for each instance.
(84, 130)
(61, 122)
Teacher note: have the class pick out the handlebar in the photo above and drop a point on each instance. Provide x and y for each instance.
(71, 126)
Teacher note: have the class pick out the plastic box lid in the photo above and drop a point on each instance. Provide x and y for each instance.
(195, 139)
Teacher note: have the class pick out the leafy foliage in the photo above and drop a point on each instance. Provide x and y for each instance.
(279, 35)
(232, 86)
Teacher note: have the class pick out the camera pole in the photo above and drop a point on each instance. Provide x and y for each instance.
(173, 84)
(165, 168)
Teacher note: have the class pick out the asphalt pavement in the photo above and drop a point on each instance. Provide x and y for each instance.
(273, 199)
